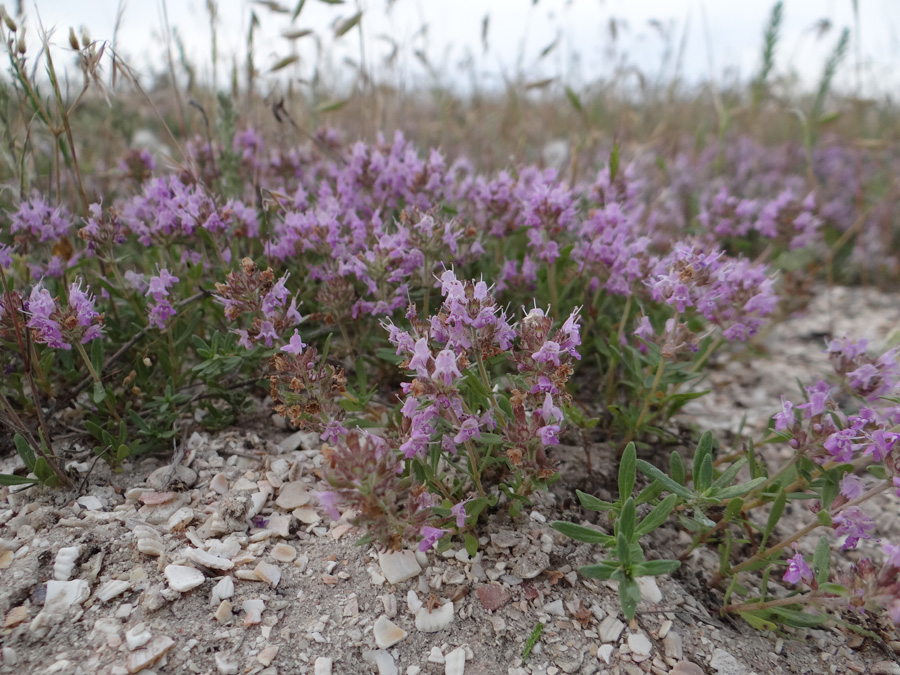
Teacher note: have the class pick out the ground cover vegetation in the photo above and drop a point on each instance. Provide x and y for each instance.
(444, 318)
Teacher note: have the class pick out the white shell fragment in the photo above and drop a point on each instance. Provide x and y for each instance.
(382, 660)
(455, 662)
(387, 633)
(180, 519)
(142, 658)
(292, 496)
(111, 589)
(432, 622)
(283, 552)
(208, 560)
(268, 572)
(399, 566)
(183, 578)
(65, 562)
(323, 666)
(219, 484)
(253, 610)
(222, 590)
(137, 636)
(151, 546)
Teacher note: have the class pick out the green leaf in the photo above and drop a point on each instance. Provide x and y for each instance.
(676, 467)
(657, 516)
(44, 473)
(738, 490)
(97, 355)
(877, 470)
(797, 619)
(774, 515)
(364, 540)
(650, 470)
(824, 518)
(471, 545)
(574, 100)
(581, 533)
(623, 550)
(25, 451)
(346, 26)
(834, 589)
(614, 162)
(629, 596)
(649, 493)
(10, 479)
(822, 559)
(99, 393)
(330, 106)
(654, 568)
(704, 450)
(626, 520)
(532, 641)
(724, 480)
(703, 480)
(297, 10)
(733, 509)
(758, 619)
(602, 570)
(627, 471)
(592, 503)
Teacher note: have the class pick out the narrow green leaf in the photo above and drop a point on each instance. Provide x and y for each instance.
(758, 619)
(574, 99)
(25, 451)
(99, 393)
(649, 493)
(676, 467)
(822, 559)
(703, 480)
(283, 63)
(97, 355)
(623, 550)
(592, 503)
(738, 490)
(834, 589)
(774, 515)
(877, 470)
(602, 570)
(654, 568)
(627, 471)
(298, 9)
(704, 450)
(345, 27)
(724, 480)
(614, 162)
(10, 479)
(330, 106)
(657, 516)
(651, 471)
(824, 518)
(626, 520)
(581, 533)
(799, 619)
(532, 641)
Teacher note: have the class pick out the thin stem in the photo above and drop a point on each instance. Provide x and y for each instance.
(96, 377)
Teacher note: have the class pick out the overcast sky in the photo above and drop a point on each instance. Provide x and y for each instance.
(723, 37)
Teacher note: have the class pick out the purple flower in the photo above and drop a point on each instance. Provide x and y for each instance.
(160, 313)
(467, 430)
(159, 285)
(421, 356)
(550, 412)
(459, 510)
(855, 523)
(785, 418)
(445, 367)
(295, 346)
(644, 330)
(429, 536)
(798, 570)
(852, 486)
(548, 434)
(329, 501)
(549, 352)
(893, 554)
(333, 432)
(267, 333)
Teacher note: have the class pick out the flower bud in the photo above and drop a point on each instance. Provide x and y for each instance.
(147, 362)
(73, 41)
(8, 19)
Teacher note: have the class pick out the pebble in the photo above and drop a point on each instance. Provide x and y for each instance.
(686, 668)
(10, 657)
(399, 566)
(555, 608)
(90, 503)
(219, 484)
(436, 655)
(292, 496)
(15, 616)
(223, 612)
(673, 645)
(650, 590)
(183, 578)
(306, 515)
(280, 526)
(64, 594)
(381, 660)
(604, 652)
(724, 663)
(640, 644)
(172, 476)
(610, 629)
(323, 666)
(507, 538)
(387, 633)
(141, 658)
(438, 619)
(137, 636)
(226, 664)
(492, 596)
(885, 668)
(455, 662)
(267, 655)
(151, 546)
(531, 565)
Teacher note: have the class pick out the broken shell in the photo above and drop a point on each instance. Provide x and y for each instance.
(65, 562)
(183, 578)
